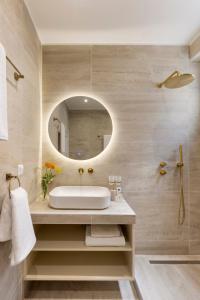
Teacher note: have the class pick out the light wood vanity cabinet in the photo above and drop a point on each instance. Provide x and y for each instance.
(61, 254)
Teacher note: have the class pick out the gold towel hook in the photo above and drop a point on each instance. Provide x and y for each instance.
(9, 178)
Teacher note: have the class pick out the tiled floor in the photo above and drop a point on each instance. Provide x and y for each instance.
(82, 291)
(178, 279)
(74, 290)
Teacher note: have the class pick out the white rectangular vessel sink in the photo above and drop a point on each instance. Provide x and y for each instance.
(79, 197)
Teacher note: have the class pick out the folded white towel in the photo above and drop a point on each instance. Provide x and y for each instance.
(23, 236)
(103, 241)
(104, 230)
(5, 218)
(3, 96)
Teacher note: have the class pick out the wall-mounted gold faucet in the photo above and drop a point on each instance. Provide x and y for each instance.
(81, 171)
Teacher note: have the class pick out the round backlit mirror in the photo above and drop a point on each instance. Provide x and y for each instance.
(80, 127)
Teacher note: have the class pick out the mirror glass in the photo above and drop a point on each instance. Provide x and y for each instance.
(80, 127)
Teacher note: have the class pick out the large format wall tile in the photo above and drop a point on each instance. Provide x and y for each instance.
(149, 125)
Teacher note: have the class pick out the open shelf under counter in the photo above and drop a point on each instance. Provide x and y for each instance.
(60, 253)
(78, 266)
(69, 238)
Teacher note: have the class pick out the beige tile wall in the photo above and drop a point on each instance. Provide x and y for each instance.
(149, 125)
(21, 43)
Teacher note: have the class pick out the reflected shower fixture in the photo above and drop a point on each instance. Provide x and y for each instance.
(177, 80)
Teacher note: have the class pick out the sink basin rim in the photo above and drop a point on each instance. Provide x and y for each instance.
(78, 191)
(79, 197)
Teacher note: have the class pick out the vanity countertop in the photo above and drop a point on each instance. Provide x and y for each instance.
(119, 212)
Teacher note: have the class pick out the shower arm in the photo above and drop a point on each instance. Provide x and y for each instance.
(160, 85)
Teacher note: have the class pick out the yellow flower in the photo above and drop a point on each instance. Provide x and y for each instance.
(58, 170)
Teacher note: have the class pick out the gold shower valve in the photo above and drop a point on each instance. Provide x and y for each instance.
(163, 172)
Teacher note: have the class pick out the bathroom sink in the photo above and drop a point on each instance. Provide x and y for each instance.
(79, 197)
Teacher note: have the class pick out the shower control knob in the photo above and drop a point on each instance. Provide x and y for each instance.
(163, 164)
(163, 172)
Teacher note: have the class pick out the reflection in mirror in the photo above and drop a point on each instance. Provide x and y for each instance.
(80, 127)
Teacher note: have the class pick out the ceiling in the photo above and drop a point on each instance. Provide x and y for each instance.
(78, 103)
(157, 22)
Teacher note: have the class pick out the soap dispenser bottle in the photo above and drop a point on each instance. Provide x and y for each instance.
(113, 189)
(118, 181)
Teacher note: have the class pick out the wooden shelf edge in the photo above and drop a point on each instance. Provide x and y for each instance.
(125, 248)
(76, 278)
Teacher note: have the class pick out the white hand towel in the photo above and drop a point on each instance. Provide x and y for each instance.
(23, 236)
(105, 230)
(116, 241)
(3, 96)
(5, 219)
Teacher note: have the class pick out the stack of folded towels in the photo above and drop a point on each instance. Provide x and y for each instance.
(104, 235)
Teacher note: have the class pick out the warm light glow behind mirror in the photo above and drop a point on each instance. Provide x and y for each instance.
(80, 128)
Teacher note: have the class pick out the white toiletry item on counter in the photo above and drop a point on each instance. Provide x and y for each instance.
(115, 241)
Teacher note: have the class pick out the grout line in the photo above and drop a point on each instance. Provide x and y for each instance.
(174, 262)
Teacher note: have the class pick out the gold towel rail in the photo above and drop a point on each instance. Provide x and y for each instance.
(9, 178)
(17, 74)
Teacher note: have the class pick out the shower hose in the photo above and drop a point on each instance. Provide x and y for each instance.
(181, 213)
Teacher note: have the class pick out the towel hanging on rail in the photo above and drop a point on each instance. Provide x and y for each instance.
(6, 210)
(5, 218)
(16, 225)
(23, 236)
(3, 96)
